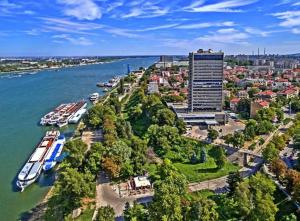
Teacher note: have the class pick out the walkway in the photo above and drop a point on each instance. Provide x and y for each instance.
(90, 137)
(105, 195)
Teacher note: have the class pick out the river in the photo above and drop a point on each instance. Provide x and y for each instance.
(24, 99)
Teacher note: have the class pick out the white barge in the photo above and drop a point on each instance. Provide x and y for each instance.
(61, 115)
(33, 167)
(54, 153)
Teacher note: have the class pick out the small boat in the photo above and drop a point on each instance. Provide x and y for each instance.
(94, 97)
(52, 157)
(33, 167)
(77, 116)
(105, 89)
(62, 123)
(100, 84)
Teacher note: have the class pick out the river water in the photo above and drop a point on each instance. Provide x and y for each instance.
(24, 99)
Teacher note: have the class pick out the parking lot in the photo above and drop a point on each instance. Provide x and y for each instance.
(230, 128)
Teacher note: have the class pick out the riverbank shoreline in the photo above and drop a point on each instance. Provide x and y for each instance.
(37, 212)
(28, 71)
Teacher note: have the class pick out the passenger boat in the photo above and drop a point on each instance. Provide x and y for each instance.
(94, 97)
(100, 84)
(77, 116)
(61, 115)
(54, 153)
(33, 167)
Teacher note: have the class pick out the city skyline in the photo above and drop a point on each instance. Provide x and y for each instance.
(102, 27)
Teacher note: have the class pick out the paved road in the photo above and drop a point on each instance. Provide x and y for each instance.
(105, 195)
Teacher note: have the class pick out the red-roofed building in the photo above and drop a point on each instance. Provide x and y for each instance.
(256, 106)
(267, 95)
(289, 92)
(233, 103)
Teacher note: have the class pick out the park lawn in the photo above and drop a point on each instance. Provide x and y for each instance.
(204, 171)
(86, 215)
(201, 194)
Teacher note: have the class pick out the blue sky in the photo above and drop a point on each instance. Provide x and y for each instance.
(145, 27)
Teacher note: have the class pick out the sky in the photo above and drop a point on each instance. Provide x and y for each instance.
(147, 27)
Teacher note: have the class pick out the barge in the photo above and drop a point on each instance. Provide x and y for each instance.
(33, 167)
(61, 115)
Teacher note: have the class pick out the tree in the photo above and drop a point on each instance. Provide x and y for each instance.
(181, 126)
(270, 153)
(264, 127)
(112, 166)
(219, 155)
(135, 213)
(203, 210)
(202, 155)
(121, 87)
(233, 180)
(238, 140)
(296, 192)
(291, 217)
(76, 149)
(138, 155)
(243, 107)
(250, 129)
(105, 213)
(279, 142)
(169, 190)
(255, 200)
(292, 178)
(265, 114)
(228, 139)
(212, 134)
(279, 168)
(279, 114)
(164, 117)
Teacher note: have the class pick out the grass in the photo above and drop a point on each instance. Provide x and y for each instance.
(87, 215)
(205, 171)
(201, 194)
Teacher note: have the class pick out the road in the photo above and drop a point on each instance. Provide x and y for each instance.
(105, 195)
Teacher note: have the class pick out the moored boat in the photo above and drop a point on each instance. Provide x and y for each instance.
(33, 167)
(94, 97)
(54, 153)
(77, 116)
(61, 115)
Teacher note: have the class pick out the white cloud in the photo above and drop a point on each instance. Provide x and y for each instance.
(67, 26)
(206, 25)
(159, 27)
(259, 32)
(226, 36)
(29, 12)
(114, 5)
(33, 32)
(223, 6)
(290, 19)
(296, 30)
(147, 9)
(81, 9)
(76, 41)
(121, 32)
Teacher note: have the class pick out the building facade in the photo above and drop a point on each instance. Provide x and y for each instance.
(205, 81)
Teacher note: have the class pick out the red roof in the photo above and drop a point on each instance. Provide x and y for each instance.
(282, 80)
(235, 100)
(264, 103)
(266, 93)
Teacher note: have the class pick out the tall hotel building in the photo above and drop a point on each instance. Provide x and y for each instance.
(205, 81)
